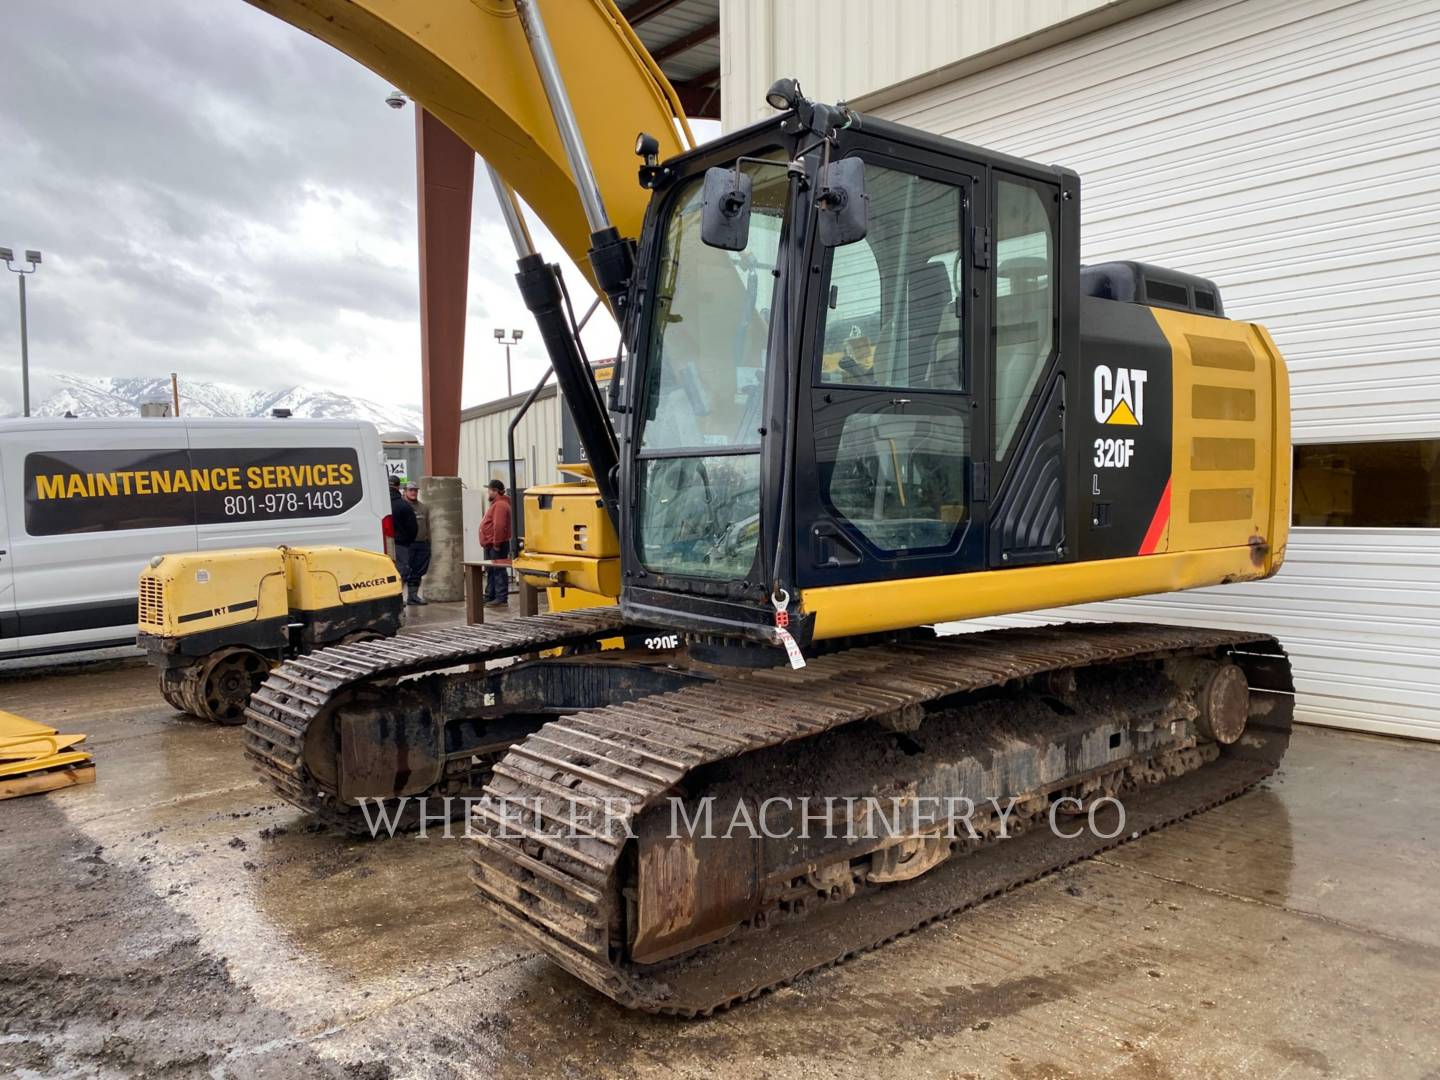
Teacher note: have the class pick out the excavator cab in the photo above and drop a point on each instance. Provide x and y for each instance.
(862, 429)
(809, 414)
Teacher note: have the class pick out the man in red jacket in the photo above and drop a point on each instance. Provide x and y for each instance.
(495, 538)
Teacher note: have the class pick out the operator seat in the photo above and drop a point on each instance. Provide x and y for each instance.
(929, 298)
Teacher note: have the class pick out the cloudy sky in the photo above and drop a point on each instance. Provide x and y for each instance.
(219, 194)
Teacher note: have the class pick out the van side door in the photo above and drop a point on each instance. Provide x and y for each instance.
(95, 503)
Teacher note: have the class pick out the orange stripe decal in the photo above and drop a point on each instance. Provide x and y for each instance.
(1157, 523)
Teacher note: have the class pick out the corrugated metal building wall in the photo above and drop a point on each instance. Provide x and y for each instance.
(483, 452)
(1290, 150)
(843, 49)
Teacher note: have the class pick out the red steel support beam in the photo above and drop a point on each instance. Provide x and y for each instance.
(445, 181)
(700, 96)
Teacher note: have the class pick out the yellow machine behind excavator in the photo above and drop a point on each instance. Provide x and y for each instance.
(571, 549)
(866, 388)
(215, 622)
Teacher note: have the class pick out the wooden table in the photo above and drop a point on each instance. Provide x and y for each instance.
(475, 591)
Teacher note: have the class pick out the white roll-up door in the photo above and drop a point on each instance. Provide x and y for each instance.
(1290, 150)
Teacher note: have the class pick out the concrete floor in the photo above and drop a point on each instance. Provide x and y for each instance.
(175, 919)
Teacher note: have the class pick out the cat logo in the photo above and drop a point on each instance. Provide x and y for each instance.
(1120, 395)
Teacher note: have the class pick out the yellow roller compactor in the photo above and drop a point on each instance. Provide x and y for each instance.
(866, 389)
(215, 622)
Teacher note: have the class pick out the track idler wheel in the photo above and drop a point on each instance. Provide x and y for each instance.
(220, 687)
(1221, 695)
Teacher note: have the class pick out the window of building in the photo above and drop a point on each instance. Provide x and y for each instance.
(1381, 485)
(500, 470)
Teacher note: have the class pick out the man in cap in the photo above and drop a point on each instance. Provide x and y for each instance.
(420, 547)
(402, 527)
(495, 538)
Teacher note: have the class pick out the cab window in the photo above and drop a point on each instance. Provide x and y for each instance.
(895, 303)
(1025, 309)
(705, 374)
(699, 467)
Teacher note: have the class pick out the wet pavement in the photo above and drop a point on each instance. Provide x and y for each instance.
(175, 919)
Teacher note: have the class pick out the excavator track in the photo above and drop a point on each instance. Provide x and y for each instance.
(566, 879)
(301, 691)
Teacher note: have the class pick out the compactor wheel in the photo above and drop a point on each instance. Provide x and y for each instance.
(355, 637)
(224, 682)
(361, 635)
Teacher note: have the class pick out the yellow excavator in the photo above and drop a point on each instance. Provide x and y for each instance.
(866, 389)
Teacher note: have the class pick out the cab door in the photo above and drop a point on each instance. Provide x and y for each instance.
(890, 424)
(1033, 340)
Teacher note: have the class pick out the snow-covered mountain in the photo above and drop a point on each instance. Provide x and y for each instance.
(91, 396)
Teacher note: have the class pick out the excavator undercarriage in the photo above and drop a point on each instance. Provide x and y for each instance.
(695, 836)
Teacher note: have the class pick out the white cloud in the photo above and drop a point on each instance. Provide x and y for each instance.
(219, 194)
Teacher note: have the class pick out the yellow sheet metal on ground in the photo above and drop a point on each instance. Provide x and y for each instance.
(35, 757)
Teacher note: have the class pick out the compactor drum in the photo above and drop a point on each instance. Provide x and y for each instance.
(215, 622)
(866, 390)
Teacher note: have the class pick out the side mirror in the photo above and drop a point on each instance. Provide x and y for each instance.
(725, 212)
(844, 206)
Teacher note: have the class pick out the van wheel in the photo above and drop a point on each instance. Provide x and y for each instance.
(221, 687)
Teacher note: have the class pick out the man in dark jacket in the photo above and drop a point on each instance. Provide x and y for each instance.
(495, 538)
(420, 547)
(402, 526)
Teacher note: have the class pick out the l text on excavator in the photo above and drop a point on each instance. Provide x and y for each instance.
(866, 388)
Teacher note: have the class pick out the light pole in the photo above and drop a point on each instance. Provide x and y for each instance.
(513, 339)
(33, 258)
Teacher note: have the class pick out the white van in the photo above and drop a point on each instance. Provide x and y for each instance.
(85, 504)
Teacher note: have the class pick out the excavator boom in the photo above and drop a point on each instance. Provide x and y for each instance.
(468, 63)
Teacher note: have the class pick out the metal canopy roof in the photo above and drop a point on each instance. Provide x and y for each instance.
(684, 38)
